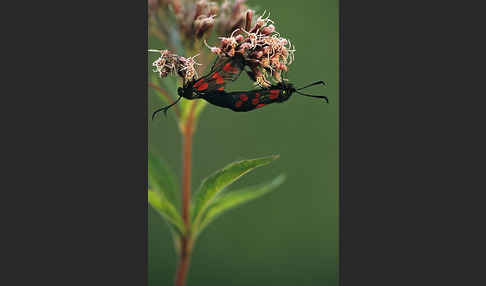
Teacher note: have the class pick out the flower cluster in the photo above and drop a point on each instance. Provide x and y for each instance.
(169, 63)
(265, 52)
(261, 46)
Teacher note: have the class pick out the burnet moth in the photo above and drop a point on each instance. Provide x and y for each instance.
(222, 71)
(211, 88)
(242, 101)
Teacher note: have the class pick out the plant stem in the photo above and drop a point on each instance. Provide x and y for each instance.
(187, 164)
(184, 260)
(186, 240)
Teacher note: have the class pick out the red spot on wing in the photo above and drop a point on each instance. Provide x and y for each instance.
(254, 101)
(221, 88)
(244, 97)
(219, 79)
(260, 105)
(198, 83)
(230, 69)
(273, 95)
(203, 86)
(227, 67)
(238, 103)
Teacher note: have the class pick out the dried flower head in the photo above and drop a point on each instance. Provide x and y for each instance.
(202, 24)
(165, 64)
(193, 19)
(187, 69)
(240, 31)
(262, 47)
(169, 63)
(197, 19)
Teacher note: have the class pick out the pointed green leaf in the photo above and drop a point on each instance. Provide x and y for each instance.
(233, 199)
(215, 183)
(166, 210)
(161, 179)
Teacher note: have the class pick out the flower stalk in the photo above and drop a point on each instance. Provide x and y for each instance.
(186, 240)
(187, 25)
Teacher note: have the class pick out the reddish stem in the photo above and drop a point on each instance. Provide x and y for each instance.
(187, 163)
(184, 260)
(186, 240)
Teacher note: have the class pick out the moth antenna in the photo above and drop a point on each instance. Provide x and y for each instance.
(312, 84)
(165, 108)
(315, 96)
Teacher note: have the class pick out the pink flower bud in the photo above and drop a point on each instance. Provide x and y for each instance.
(245, 46)
(265, 62)
(268, 30)
(202, 25)
(200, 6)
(237, 7)
(213, 8)
(257, 54)
(239, 38)
(249, 16)
(257, 26)
(216, 50)
(267, 50)
(224, 43)
(284, 52)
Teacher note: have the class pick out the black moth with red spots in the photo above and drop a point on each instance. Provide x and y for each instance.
(211, 88)
(222, 71)
(242, 101)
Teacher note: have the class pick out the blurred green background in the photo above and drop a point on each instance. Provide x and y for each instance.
(290, 236)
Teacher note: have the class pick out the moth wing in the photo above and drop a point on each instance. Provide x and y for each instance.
(249, 100)
(222, 71)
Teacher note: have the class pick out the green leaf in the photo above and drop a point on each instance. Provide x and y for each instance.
(215, 183)
(233, 199)
(160, 203)
(161, 179)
